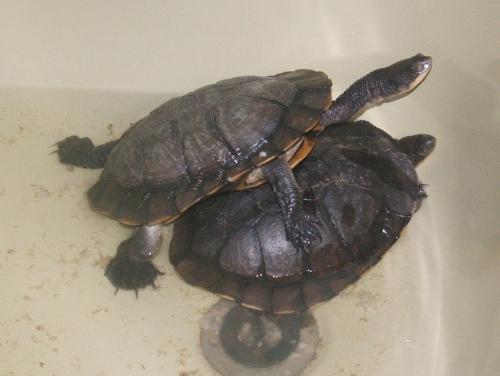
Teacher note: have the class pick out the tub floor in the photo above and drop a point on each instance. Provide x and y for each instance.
(429, 308)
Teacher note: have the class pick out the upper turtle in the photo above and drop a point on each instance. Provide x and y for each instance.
(194, 145)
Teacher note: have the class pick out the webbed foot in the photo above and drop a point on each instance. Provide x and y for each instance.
(302, 230)
(76, 151)
(131, 268)
(127, 274)
(82, 152)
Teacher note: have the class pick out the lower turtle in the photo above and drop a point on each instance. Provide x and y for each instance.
(360, 186)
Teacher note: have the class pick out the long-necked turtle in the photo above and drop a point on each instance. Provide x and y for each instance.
(233, 134)
(361, 187)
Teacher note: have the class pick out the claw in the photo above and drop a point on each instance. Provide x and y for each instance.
(303, 231)
(317, 234)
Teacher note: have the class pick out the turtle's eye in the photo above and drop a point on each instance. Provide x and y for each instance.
(420, 68)
(427, 147)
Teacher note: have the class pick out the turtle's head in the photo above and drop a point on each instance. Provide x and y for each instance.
(405, 75)
(417, 147)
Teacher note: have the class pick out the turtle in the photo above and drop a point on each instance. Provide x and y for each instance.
(231, 135)
(361, 187)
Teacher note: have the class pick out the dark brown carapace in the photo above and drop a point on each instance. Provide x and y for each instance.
(195, 145)
(361, 187)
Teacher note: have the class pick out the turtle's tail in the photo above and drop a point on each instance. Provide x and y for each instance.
(82, 152)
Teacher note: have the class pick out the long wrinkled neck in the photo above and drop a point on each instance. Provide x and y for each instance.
(369, 89)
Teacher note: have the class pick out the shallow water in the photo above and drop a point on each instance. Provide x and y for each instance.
(430, 307)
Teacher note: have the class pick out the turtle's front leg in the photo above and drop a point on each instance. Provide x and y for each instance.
(300, 227)
(131, 268)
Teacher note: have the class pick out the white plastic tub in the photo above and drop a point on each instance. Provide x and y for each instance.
(431, 307)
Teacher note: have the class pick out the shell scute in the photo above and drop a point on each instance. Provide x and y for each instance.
(242, 254)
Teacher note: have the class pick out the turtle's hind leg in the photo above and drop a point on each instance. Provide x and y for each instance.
(82, 152)
(131, 268)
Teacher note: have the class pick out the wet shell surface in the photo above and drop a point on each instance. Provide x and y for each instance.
(361, 188)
